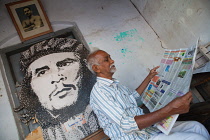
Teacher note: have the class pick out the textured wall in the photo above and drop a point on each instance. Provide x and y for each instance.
(177, 23)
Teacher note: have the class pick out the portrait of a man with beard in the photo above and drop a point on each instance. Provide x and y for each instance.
(56, 89)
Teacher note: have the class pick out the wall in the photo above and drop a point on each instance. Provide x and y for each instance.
(177, 23)
(135, 38)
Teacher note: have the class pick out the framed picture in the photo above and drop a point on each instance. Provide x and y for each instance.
(13, 76)
(29, 18)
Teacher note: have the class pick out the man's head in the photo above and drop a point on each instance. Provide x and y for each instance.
(57, 76)
(101, 64)
(27, 11)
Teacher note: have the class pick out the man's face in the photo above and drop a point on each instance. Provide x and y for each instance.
(106, 64)
(27, 11)
(55, 79)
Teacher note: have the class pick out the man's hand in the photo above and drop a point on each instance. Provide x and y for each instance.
(153, 72)
(146, 81)
(180, 105)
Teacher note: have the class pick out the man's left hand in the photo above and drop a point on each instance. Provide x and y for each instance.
(153, 72)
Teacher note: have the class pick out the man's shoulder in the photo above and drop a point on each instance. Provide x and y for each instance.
(99, 84)
(99, 88)
(96, 88)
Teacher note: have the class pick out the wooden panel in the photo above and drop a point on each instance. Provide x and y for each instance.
(200, 78)
(98, 135)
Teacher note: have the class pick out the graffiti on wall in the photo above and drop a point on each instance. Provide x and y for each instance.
(130, 35)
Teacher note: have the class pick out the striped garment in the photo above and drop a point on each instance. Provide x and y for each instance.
(115, 106)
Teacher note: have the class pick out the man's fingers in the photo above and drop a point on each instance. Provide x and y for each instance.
(188, 96)
(190, 99)
(155, 68)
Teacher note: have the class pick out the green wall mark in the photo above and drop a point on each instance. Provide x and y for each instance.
(130, 35)
(124, 51)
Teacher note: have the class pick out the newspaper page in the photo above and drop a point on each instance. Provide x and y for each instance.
(173, 80)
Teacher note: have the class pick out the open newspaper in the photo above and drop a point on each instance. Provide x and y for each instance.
(173, 80)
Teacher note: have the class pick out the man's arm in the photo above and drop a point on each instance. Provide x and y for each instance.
(146, 81)
(179, 105)
(27, 26)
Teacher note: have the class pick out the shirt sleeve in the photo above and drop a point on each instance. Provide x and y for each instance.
(136, 94)
(113, 110)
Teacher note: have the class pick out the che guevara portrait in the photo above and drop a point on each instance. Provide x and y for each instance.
(56, 88)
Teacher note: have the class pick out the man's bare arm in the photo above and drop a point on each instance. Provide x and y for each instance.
(146, 81)
(27, 26)
(179, 105)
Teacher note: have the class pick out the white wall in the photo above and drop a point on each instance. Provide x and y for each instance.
(117, 27)
(177, 23)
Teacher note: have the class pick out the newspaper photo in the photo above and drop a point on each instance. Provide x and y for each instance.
(173, 80)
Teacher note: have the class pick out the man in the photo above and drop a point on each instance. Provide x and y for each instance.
(119, 115)
(32, 22)
(56, 89)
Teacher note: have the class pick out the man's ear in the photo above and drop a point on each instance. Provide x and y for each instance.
(96, 68)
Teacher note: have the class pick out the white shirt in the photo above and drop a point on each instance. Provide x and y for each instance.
(115, 106)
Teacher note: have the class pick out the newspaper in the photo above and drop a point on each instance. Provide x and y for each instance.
(173, 80)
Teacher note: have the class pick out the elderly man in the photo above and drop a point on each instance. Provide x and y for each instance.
(56, 89)
(119, 115)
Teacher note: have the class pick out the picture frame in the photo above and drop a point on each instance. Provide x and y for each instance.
(12, 75)
(29, 18)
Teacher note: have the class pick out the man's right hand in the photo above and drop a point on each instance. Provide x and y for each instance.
(180, 105)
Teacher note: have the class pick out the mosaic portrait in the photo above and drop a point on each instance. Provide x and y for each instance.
(56, 88)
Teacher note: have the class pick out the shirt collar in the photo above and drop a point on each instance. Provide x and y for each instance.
(108, 82)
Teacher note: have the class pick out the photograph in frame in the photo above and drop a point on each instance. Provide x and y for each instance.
(29, 18)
